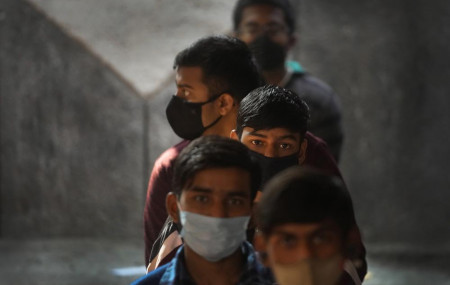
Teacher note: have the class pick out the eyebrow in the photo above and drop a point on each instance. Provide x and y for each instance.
(251, 23)
(239, 193)
(314, 232)
(256, 134)
(199, 189)
(288, 137)
(183, 85)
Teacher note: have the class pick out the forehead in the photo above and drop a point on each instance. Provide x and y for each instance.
(262, 14)
(221, 180)
(274, 133)
(189, 75)
(306, 229)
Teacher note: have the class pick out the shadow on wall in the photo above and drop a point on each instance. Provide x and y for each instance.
(71, 135)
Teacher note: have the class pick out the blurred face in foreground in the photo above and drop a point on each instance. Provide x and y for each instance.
(306, 253)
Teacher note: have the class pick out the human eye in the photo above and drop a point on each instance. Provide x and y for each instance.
(285, 145)
(201, 198)
(275, 29)
(251, 29)
(256, 142)
(288, 241)
(236, 201)
(322, 238)
(186, 93)
(183, 92)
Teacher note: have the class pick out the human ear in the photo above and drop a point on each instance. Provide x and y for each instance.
(234, 135)
(352, 242)
(260, 245)
(226, 104)
(172, 207)
(293, 40)
(302, 152)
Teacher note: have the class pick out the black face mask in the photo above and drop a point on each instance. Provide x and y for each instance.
(268, 55)
(270, 166)
(185, 117)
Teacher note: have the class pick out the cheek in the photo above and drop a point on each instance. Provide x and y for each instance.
(288, 152)
(256, 148)
(247, 39)
(188, 204)
(328, 250)
(282, 41)
(208, 114)
(185, 204)
(243, 210)
(278, 254)
(249, 145)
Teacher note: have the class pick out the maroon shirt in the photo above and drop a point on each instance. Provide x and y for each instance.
(160, 184)
(318, 155)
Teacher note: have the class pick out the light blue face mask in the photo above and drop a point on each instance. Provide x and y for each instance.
(213, 238)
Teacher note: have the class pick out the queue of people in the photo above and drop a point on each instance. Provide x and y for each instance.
(253, 193)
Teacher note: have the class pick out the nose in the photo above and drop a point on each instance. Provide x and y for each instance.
(304, 251)
(179, 94)
(262, 30)
(270, 151)
(219, 210)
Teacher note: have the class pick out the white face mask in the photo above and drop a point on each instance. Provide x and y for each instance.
(213, 238)
(309, 271)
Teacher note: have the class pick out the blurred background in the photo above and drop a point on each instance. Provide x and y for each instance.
(84, 86)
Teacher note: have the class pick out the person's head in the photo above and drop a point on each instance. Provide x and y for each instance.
(212, 77)
(272, 121)
(305, 217)
(214, 183)
(267, 26)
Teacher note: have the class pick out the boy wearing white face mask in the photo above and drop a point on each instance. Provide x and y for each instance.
(305, 218)
(214, 183)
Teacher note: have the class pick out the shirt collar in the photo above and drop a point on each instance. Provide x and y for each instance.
(254, 272)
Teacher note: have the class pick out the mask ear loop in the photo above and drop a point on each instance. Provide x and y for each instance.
(178, 225)
(213, 123)
(213, 98)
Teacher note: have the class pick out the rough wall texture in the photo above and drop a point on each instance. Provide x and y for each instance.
(78, 145)
(389, 62)
(71, 135)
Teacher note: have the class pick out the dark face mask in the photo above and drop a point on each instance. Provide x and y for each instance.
(268, 55)
(185, 117)
(270, 166)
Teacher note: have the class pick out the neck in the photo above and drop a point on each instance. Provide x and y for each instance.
(274, 76)
(223, 272)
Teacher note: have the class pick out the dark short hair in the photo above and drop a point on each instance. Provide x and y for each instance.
(213, 152)
(226, 62)
(284, 5)
(304, 195)
(269, 107)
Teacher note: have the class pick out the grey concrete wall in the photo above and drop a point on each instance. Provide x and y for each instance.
(389, 62)
(72, 140)
(78, 144)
